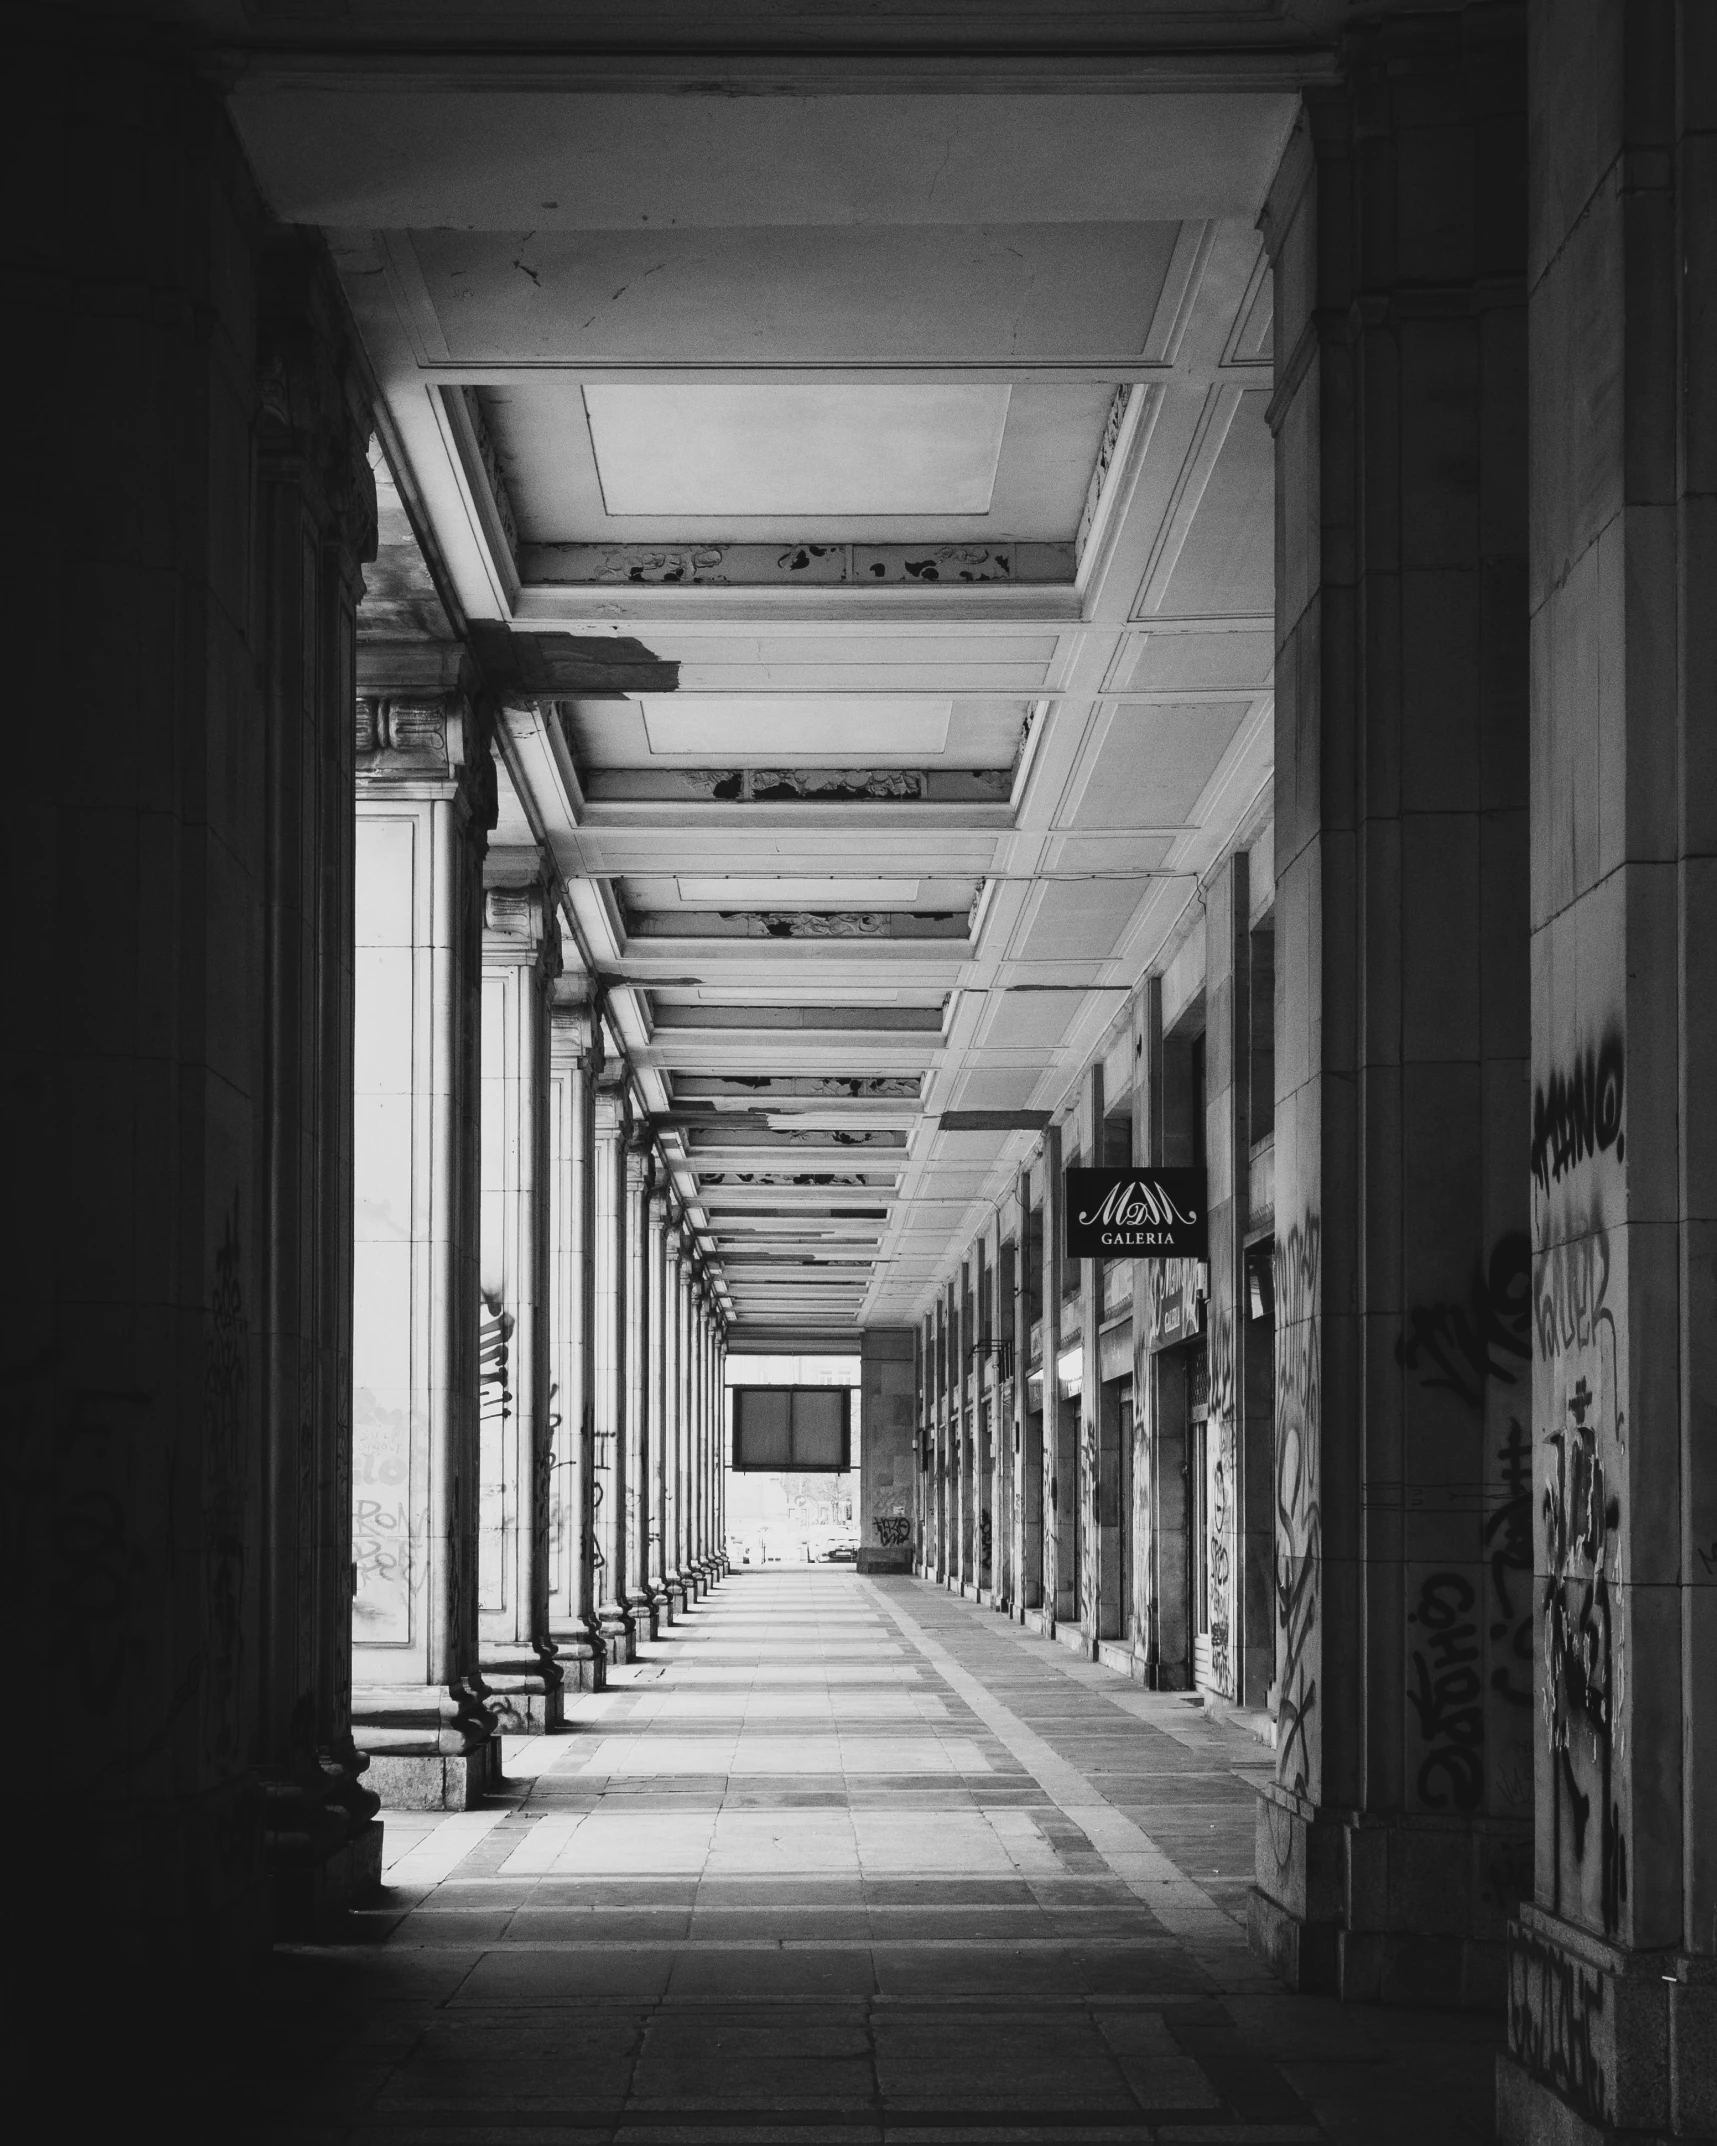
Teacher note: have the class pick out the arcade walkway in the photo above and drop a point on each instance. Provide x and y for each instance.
(847, 1859)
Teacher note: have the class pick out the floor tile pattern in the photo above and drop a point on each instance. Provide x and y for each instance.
(842, 1859)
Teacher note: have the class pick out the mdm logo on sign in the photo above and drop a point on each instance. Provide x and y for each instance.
(1136, 1214)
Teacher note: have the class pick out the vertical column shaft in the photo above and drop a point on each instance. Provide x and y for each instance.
(425, 800)
(609, 1358)
(573, 1568)
(521, 956)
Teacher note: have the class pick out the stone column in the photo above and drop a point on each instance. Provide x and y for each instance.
(657, 1430)
(1162, 1587)
(1612, 1964)
(193, 504)
(608, 1358)
(316, 524)
(1391, 1844)
(1101, 1610)
(673, 1418)
(1060, 1417)
(686, 1446)
(719, 1372)
(888, 1457)
(1240, 1495)
(521, 956)
(425, 802)
(960, 1424)
(1028, 1440)
(696, 1563)
(998, 1318)
(574, 1058)
(641, 1256)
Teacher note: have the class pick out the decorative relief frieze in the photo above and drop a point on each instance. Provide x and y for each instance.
(801, 564)
(815, 923)
(494, 475)
(776, 1179)
(867, 1087)
(790, 786)
(1100, 470)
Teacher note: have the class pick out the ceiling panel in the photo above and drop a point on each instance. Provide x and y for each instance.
(1154, 763)
(1032, 486)
(695, 451)
(1079, 920)
(849, 728)
(1228, 560)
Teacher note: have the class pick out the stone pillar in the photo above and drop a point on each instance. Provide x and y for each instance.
(1101, 1611)
(697, 1563)
(691, 1563)
(1060, 1417)
(998, 1316)
(925, 1500)
(1390, 1846)
(1161, 1539)
(656, 1391)
(962, 1431)
(1028, 1438)
(642, 1605)
(939, 1561)
(574, 1058)
(521, 956)
(718, 1379)
(888, 1458)
(1240, 1487)
(316, 523)
(1612, 1964)
(426, 792)
(194, 504)
(673, 1419)
(609, 1366)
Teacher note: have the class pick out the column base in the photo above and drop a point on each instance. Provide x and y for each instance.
(680, 1594)
(430, 1747)
(619, 1642)
(885, 1561)
(438, 1781)
(1385, 1910)
(316, 1823)
(645, 1609)
(524, 1690)
(1605, 2046)
(307, 1899)
(583, 1658)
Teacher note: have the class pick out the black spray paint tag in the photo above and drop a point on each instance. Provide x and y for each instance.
(1136, 1214)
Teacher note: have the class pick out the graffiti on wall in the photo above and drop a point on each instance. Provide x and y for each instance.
(1220, 1554)
(1447, 1692)
(1508, 1546)
(1299, 1517)
(1577, 1130)
(1487, 1336)
(1582, 1516)
(1555, 2022)
(1467, 1636)
(1577, 1112)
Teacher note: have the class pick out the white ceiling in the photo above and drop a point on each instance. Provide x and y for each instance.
(841, 321)
(732, 455)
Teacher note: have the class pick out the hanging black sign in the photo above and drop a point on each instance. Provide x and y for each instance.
(1136, 1214)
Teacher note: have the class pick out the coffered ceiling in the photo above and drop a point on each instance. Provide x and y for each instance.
(910, 448)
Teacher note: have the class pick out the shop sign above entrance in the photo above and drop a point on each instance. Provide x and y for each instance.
(1136, 1214)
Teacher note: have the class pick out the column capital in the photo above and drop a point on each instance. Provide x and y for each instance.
(575, 1033)
(521, 921)
(417, 738)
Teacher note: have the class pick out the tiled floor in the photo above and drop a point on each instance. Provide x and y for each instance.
(845, 1860)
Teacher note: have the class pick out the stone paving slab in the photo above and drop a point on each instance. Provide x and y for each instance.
(846, 1859)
